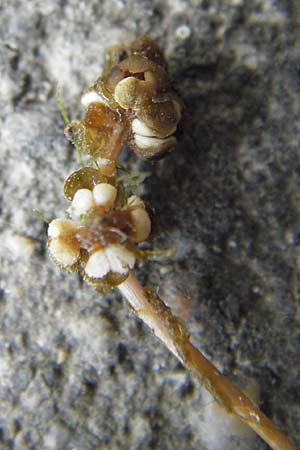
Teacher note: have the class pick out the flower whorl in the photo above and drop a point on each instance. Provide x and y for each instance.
(101, 238)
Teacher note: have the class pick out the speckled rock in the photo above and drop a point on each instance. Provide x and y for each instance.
(79, 371)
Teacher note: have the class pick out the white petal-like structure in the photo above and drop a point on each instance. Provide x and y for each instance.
(90, 97)
(104, 194)
(83, 201)
(60, 227)
(120, 259)
(136, 201)
(126, 93)
(147, 142)
(64, 253)
(141, 128)
(141, 223)
(115, 258)
(98, 265)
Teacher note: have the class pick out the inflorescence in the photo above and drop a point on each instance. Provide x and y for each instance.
(133, 103)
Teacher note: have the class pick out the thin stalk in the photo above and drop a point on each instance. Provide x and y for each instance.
(173, 333)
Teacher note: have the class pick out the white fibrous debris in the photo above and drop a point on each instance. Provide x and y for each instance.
(103, 194)
(115, 258)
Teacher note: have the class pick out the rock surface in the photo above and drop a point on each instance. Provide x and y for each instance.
(79, 371)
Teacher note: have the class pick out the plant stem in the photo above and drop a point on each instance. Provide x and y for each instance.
(173, 333)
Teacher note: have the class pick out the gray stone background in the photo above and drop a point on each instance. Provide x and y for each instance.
(79, 371)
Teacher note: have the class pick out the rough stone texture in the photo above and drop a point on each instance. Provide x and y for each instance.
(79, 371)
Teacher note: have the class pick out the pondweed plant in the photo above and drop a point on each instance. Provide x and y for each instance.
(133, 102)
